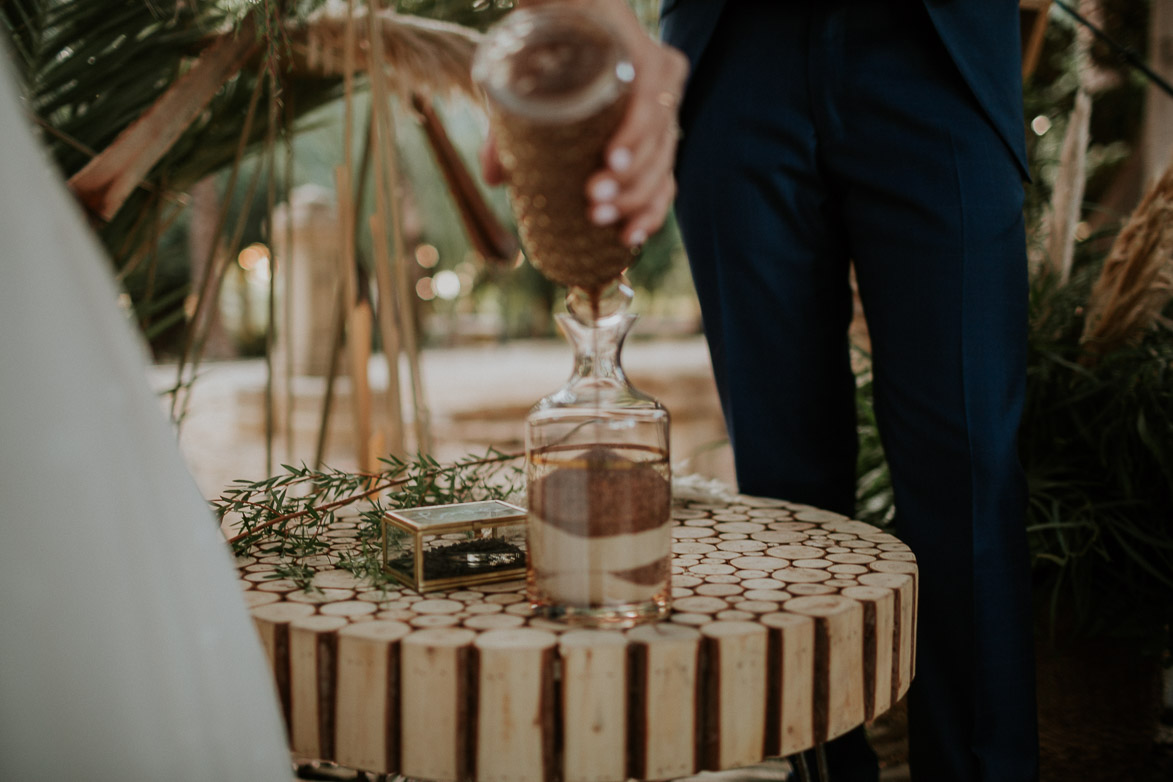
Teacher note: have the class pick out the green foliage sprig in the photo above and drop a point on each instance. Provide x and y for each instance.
(288, 515)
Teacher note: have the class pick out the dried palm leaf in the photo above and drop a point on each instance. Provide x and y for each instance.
(422, 54)
(1136, 283)
(104, 184)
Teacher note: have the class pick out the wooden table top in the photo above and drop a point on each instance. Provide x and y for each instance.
(789, 626)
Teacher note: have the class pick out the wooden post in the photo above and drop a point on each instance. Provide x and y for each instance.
(839, 700)
(434, 676)
(367, 734)
(594, 705)
(735, 702)
(312, 671)
(515, 706)
(665, 698)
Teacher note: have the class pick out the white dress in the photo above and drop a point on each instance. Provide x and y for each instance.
(126, 651)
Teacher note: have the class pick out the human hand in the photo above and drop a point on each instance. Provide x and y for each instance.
(636, 188)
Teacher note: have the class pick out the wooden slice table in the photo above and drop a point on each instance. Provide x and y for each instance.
(790, 626)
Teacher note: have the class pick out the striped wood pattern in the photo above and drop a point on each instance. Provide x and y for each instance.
(790, 625)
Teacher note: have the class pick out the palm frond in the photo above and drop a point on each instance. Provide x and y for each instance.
(1136, 283)
(421, 55)
(105, 182)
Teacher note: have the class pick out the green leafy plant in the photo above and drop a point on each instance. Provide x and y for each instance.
(1097, 446)
(289, 515)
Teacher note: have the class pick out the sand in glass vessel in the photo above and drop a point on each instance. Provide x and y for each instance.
(599, 481)
(599, 484)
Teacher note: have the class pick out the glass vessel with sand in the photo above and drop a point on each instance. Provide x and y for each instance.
(599, 481)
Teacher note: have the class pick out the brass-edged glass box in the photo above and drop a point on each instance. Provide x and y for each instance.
(449, 546)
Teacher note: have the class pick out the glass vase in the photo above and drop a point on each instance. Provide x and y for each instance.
(599, 481)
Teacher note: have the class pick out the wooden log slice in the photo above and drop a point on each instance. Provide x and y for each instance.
(879, 618)
(904, 630)
(368, 688)
(313, 643)
(839, 667)
(664, 696)
(594, 705)
(434, 712)
(790, 714)
(272, 623)
(514, 705)
(734, 700)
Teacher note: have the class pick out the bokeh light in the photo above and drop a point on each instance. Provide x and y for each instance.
(447, 284)
(425, 289)
(427, 256)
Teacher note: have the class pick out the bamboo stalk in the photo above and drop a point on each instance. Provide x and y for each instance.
(290, 255)
(357, 314)
(336, 344)
(388, 326)
(271, 319)
(390, 333)
(348, 51)
(421, 416)
(203, 298)
(201, 338)
(357, 311)
(1067, 196)
(358, 333)
(341, 308)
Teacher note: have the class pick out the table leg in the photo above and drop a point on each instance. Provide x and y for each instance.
(821, 763)
(802, 768)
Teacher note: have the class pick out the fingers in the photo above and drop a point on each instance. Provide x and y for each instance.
(649, 177)
(656, 91)
(637, 186)
(641, 203)
(643, 223)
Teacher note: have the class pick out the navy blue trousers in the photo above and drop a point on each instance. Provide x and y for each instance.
(822, 134)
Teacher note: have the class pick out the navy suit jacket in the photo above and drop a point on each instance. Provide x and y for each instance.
(980, 35)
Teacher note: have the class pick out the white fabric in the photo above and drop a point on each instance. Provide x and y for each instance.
(126, 652)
